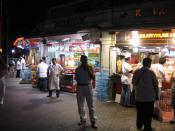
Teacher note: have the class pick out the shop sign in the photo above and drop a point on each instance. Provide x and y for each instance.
(156, 35)
(159, 11)
(163, 35)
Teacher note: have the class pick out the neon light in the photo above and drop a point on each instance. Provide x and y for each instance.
(18, 39)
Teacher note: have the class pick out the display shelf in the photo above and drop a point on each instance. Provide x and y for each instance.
(34, 76)
(68, 83)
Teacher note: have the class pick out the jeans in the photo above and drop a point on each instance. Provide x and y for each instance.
(125, 95)
(42, 84)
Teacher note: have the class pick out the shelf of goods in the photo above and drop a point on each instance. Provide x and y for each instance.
(166, 111)
(34, 76)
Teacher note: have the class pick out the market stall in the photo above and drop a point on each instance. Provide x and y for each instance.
(24, 45)
(68, 54)
(147, 43)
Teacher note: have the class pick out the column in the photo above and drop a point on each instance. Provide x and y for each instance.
(107, 40)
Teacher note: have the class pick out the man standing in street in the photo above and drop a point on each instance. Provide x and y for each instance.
(146, 89)
(42, 75)
(126, 81)
(84, 76)
(54, 72)
(18, 68)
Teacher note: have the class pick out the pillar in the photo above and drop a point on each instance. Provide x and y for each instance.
(107, 40)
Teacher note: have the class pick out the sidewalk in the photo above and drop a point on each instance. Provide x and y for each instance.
(28, 109)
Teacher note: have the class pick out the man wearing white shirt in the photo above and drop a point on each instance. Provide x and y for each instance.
(18, 68)
(126, 82)
(160, 72)
(42, 75)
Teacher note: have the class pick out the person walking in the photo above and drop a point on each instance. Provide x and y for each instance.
(146, 91)
(42, 75)
(54, 72)
(84, 76)
(3, 72)
(126, 82)
(23, 67)
(18, 68)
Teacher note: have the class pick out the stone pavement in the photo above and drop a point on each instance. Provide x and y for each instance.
(28, 109)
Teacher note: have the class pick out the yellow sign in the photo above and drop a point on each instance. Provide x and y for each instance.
(156, 35)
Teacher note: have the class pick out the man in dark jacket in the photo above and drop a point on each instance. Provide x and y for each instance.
(146, 87)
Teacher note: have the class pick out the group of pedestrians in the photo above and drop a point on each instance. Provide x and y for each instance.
(20, 67)
(49, 76)
(146, 83)
(144, 80)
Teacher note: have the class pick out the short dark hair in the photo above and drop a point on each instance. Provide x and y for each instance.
(147, 62)
(54, 59)
(83, 57)
(162, 60)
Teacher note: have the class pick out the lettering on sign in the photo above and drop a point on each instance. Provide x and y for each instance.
(159, 11)
(138, 13)
(156, 35)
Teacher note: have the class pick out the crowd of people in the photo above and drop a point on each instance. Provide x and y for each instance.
(145, 81)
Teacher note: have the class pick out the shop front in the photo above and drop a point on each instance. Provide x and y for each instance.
(68, 49)
(147, 43)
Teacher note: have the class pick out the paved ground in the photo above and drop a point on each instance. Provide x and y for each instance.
(27, 109)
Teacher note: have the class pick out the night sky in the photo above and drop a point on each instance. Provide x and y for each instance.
(25, 15)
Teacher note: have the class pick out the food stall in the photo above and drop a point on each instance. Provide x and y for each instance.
(148, 43)
(68, 55)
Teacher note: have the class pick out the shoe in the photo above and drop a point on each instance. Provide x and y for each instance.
(50, 93)
(82, 123)
(93, 125)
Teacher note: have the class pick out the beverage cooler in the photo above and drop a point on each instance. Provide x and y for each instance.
(68, 83)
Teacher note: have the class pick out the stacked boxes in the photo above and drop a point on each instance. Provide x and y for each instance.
(102, 79)
(165, 105)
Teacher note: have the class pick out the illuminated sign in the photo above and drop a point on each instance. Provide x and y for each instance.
(156, 35)
(163, 35)
(158, 11)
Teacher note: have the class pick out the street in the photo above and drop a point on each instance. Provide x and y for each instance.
(28, 109)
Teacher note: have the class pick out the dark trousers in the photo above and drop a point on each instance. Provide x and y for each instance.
(144, 115)
(18, 73)
(42, 84)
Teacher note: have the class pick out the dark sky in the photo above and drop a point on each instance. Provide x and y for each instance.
(24, 15)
